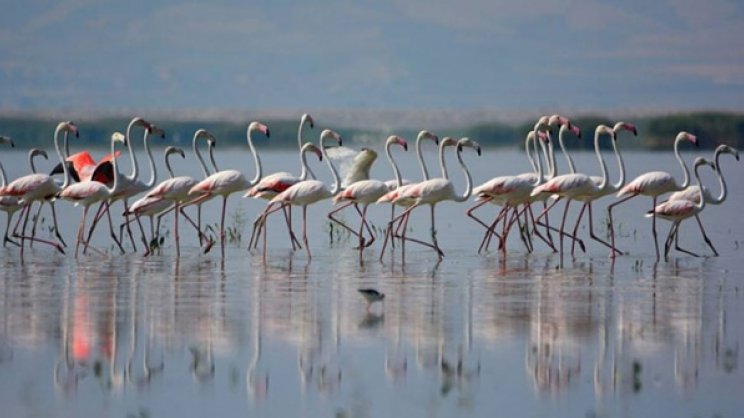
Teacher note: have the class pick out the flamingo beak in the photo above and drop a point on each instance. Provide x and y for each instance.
(404, 144)
(268, 134)
(478, 150)
(12, 145)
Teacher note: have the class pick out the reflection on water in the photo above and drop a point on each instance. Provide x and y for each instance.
(130, 336)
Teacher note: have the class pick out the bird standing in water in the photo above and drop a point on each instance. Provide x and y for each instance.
(371, 296)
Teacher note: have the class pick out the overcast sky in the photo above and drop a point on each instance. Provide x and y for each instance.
(411, 54)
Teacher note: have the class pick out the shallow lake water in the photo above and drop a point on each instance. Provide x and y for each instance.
(474, 335)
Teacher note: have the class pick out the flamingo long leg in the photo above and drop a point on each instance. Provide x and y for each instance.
(56, 226)
(611, 226)
(288, 218)
(81, 230)
(36, 221)
(576, 227)
(144, 236)
(548, 241)
(262, 223)
(547, 225)
(304, 231)
(7, 239)
(653, 229)
(366, 225)
(202, 236)
(129, 229)
(491, 230)
(563, 224)
(340, 208)
(705, 236)
(96, 219)
(175, 230)
(680, 249)
(595, 237)
(222, 226)
(111, 228)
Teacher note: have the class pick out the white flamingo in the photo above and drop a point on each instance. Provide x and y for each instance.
(366, 192)
(227, 182)
(394, 188)
(574, 186)
(306, 192)
(678, 210)
(8, 204)
(692, 193)
(153, 205)
(653, 184)
(38, 187)
(273, 184)
(609, 188)
(433, 191)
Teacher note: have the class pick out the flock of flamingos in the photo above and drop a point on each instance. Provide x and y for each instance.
(87, 183)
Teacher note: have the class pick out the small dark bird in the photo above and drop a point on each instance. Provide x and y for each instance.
(371, 296)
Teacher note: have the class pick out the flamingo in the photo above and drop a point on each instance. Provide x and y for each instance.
(227, 182)
(654, 184)
(129, 185)
(401, 197)
(692, 193)
(275, 183)
(90, 192)
(607, 190)
(151, 206)
(575, 186)
(366, 192)
(394, 188)
(306, 192)
(678, 210)
(39, 187)
(8, 204)
(272, 185)
(438, 190)
(176, 190)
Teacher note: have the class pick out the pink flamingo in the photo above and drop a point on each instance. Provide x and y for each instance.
(89, 192)
(227, 182)
(275, 183)
(395, 189)
(306, 192)
(8, 204)
(574, 186)
(366, 192)
(38, 187)
(678, 210)
(433, 191)
(607, 190)
(653, 184)
(692, 193)
(272, 185)
(401, 197)
(151, 206)
(176, 191)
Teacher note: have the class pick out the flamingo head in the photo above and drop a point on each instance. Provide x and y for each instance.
(555, 120)
(686, 136)
(447, 142)
(138, 121)
(260, 127)
(119, 137)
(395, 139)
(624, 126)
(604, 129)
(203, 133)
(568, 126)
(725, 149)
(35, 151)
(152, 129)
(467, 142)
(7, 140)
(542, 124)
(68, 126)
(306, 118)
(330, 134)
(174, 150)
(310, 147)
(426, 134)
(545, 138)
(703, 161)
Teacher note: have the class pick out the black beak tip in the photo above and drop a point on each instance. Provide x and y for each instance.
(479, 152)
(405, 147)
(312, 125)
(268, 134)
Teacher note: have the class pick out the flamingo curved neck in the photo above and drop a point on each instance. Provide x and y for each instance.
(700, 204)
(442, 163)
(539, 178)
(3, 178)
(65, 172)
(132, 157)
(685, 170)
(527, 149)
(168, 166)
(303, 161)
(336, 178)
(398, 179)
(114, 187)
(31, 161)
(569, 160)
(602, 165)
(66, 145)
(210, 147)
(153, 170)
(420, 157)
(468, 179)
(256, 159)
(721, 181)
(620, 166)
(199, 156)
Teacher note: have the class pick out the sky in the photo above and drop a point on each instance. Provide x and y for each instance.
(400, 54)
